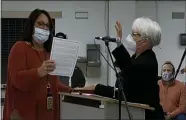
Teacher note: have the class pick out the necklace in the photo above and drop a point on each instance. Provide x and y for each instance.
(42, 60)
(49, 98)
(48, 83)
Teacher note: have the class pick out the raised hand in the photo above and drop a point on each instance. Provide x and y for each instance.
(118, 28)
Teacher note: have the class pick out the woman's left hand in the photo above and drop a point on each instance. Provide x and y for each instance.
(86, 88)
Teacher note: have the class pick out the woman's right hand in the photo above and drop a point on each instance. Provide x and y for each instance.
(47, 66)
(118, 28)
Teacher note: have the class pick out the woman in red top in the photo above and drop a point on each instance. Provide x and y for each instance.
(31, 93)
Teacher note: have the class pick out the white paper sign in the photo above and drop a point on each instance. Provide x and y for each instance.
(65, 53)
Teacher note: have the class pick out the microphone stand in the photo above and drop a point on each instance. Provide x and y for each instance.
(183, 56)
(120, 88)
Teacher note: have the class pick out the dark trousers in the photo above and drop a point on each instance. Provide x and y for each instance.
(157, 114)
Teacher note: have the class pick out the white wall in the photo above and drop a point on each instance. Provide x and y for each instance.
(146, 8)
(83, 30)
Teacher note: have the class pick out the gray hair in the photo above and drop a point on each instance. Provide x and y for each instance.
(148, 29)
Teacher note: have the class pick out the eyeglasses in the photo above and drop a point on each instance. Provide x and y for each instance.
(42, 25)
(136, 34)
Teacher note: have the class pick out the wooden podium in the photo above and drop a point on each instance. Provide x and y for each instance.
(90, 106)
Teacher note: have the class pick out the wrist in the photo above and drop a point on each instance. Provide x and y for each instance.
(39, 72)
(118, 42)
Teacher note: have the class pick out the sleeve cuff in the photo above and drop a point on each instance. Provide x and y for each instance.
(118, 42)
(104, 90)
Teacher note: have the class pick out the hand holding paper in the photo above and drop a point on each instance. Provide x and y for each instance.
(46, 67)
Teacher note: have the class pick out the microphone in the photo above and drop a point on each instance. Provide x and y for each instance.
(108, 39)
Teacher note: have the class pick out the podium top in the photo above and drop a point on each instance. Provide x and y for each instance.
(105, 99)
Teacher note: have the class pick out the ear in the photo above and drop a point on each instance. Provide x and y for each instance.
(146, 42)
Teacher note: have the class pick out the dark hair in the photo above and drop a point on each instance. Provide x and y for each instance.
(78, 78)
(29, 28)
(61, 35)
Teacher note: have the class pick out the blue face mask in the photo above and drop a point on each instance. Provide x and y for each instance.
(167, 76)
(41, 35)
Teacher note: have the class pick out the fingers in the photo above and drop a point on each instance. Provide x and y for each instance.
(49, 65)
(77, 88)
(118, 28)
(49, 61)
(118, 24)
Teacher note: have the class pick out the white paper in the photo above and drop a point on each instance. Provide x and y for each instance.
(65, 53)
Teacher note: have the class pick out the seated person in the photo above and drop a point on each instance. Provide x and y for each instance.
(182, 71)
(172, 93)
(77, 79)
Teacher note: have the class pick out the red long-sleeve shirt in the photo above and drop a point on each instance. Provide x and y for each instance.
(26, 92)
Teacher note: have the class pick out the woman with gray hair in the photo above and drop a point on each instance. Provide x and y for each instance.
(139, 71)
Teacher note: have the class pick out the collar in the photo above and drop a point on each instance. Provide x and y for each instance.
(168, 83)
(134, 56)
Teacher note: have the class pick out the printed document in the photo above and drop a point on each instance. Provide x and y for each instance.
(65, 53)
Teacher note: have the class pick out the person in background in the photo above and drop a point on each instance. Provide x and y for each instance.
(78, 78)
(182, 71)
(61, 35)
(139, 72)
(32, 93)
(172, 93)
